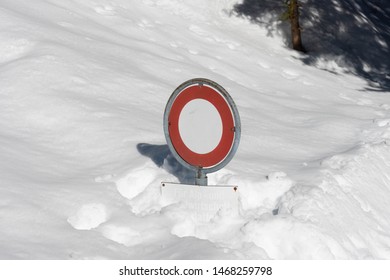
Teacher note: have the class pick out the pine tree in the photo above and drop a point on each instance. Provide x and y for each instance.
(286, 10)
(292, 14)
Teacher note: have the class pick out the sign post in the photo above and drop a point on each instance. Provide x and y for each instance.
(202, 127)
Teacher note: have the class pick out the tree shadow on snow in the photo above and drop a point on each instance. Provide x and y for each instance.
(355, 34)
(163, 158)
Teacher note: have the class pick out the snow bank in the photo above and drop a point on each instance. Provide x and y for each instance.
(83, 89)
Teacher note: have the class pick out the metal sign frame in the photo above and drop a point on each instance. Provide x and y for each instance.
(201, 171)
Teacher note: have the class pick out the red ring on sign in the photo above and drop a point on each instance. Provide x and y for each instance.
(222, 149)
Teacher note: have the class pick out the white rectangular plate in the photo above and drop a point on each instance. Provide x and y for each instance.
(201, 202)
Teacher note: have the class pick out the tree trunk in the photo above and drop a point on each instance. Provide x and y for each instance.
(295, 28)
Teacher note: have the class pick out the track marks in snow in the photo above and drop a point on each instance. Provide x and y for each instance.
(290, 74)
(383, 130)
(208, 37)
(105, 10)
(12, 48)
(382, 122)
(379, 133)
(264, 65)
(145, 24)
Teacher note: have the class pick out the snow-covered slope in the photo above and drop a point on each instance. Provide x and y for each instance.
(83, 89)
(355, 34)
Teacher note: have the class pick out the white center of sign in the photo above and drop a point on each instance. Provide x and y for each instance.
(200, 126)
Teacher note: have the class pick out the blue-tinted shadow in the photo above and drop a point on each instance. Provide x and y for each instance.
(163, 158)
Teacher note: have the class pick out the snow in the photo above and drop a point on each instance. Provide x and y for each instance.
(84, 85)
(89, 216)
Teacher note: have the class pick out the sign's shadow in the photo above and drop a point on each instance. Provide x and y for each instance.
(163, 158)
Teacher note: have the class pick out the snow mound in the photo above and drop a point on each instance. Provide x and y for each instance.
(354, 187)
(89, 216)
(136, 181)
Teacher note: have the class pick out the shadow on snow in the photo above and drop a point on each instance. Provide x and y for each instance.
(163, 158)
(355, 34)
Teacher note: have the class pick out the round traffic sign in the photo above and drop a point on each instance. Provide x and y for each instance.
(202, 125)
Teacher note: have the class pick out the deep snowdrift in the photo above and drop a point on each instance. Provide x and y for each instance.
(83, 89)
